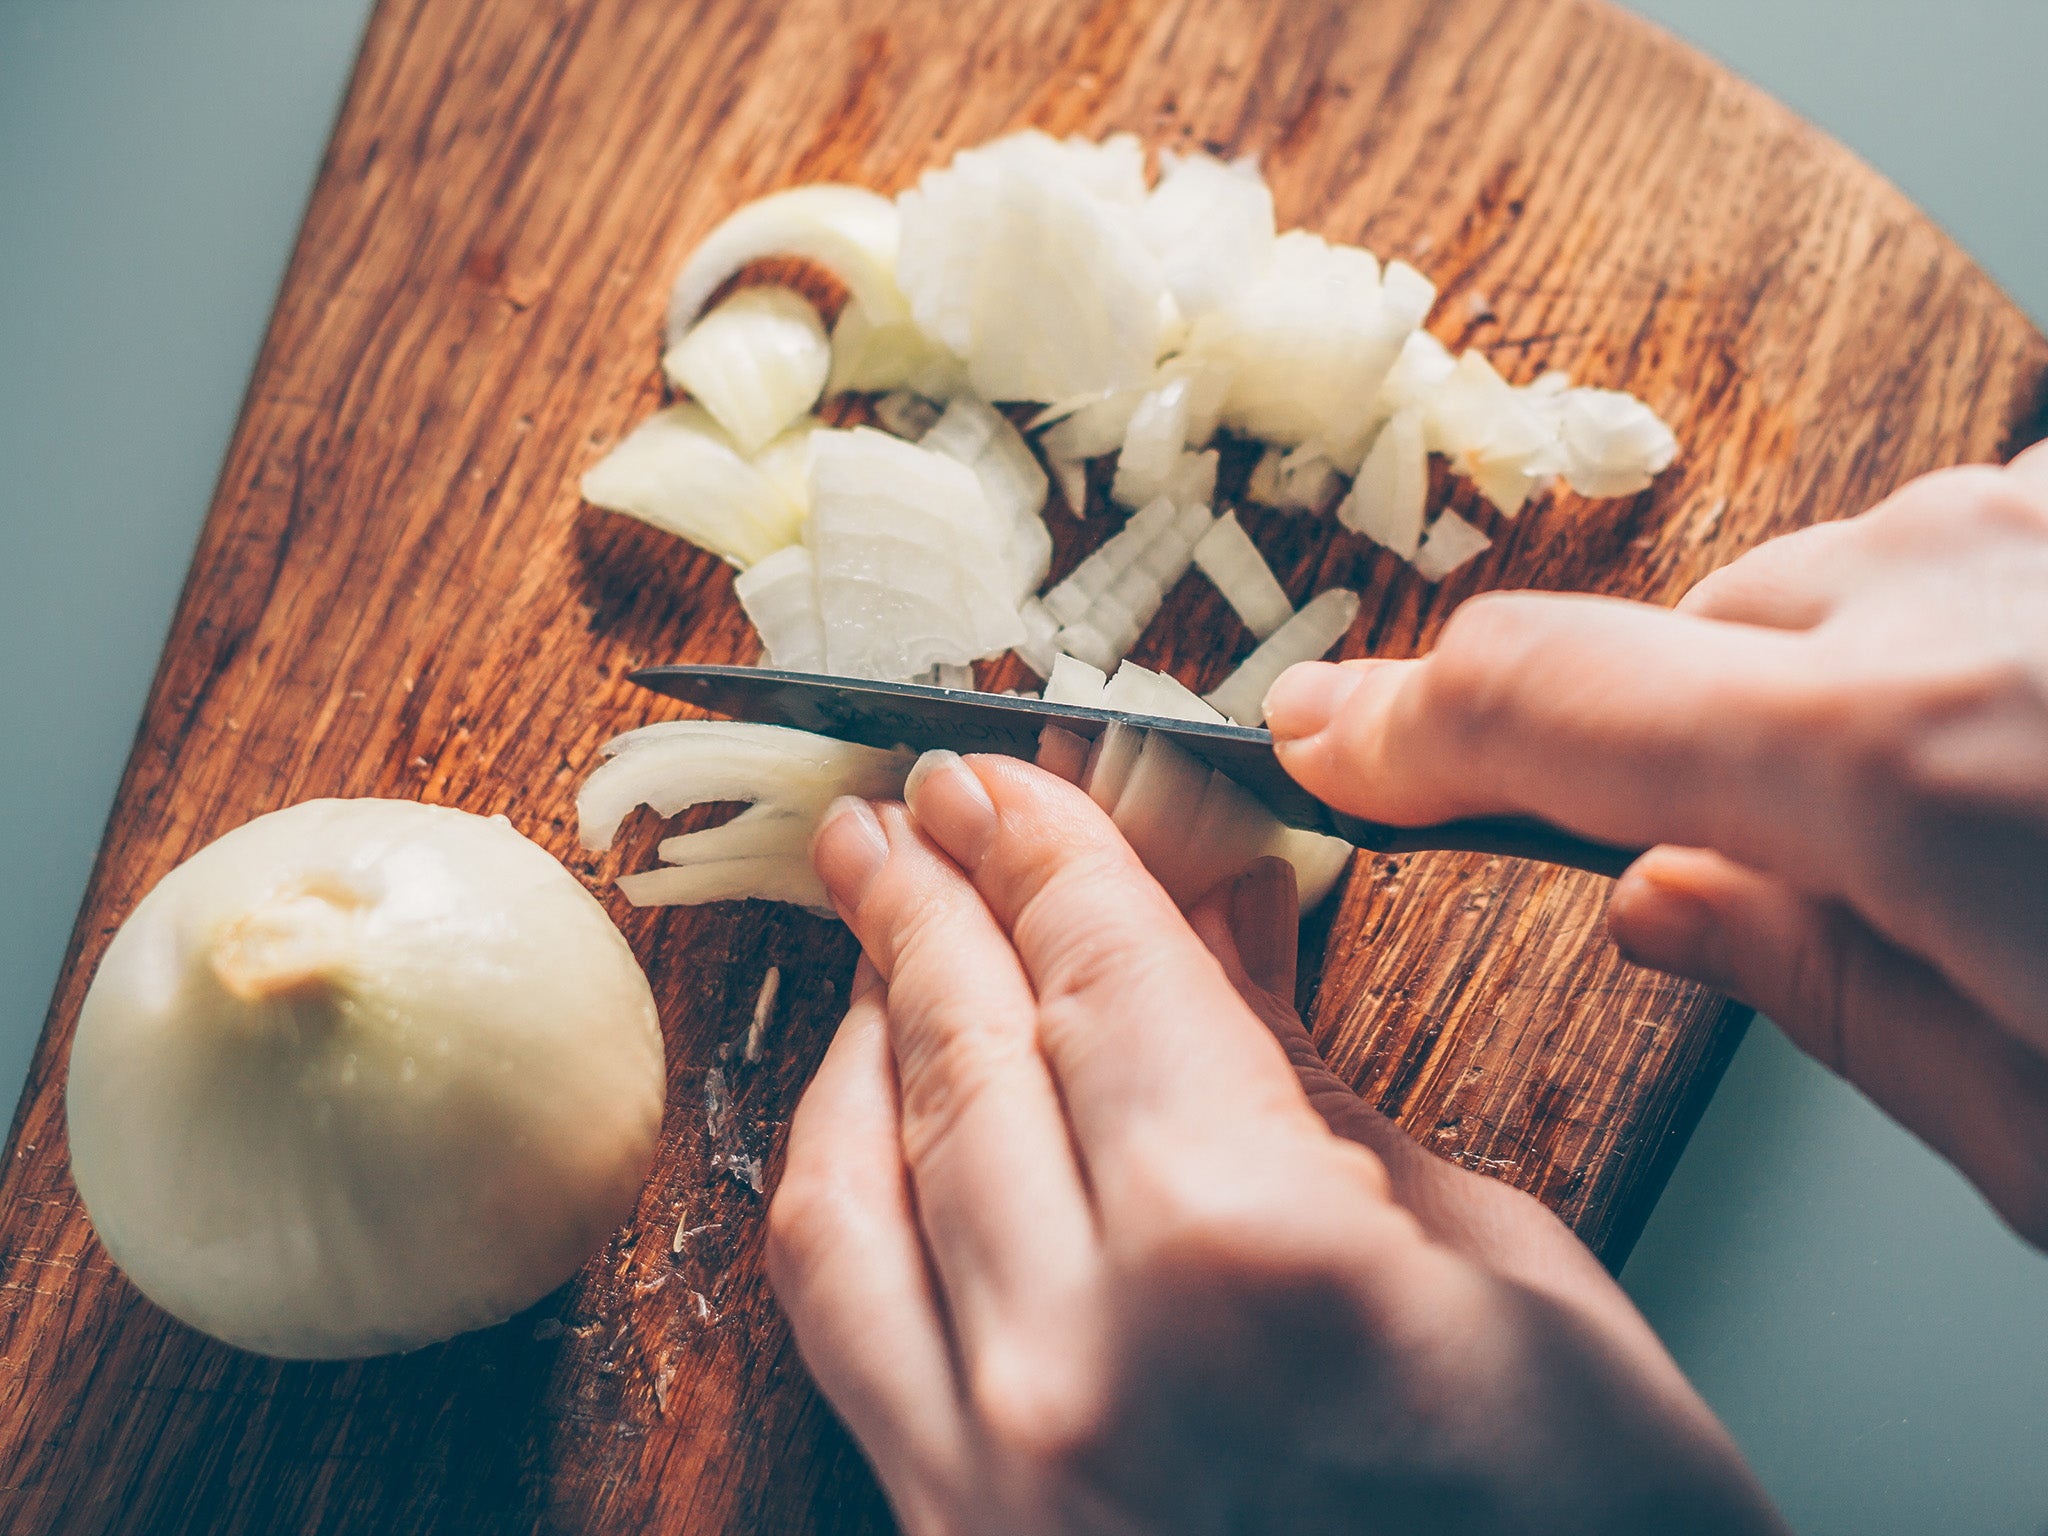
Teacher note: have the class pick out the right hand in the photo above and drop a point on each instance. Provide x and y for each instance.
(1839, 743)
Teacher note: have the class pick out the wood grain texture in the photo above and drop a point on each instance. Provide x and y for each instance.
(398, 593)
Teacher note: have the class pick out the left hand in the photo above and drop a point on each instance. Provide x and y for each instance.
(1078, 1234)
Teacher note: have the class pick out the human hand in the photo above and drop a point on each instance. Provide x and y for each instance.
(1069, 1241)
(1842, 740)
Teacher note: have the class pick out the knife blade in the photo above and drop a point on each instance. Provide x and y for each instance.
(919, 717)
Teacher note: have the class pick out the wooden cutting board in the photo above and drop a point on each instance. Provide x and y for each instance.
(398, 593)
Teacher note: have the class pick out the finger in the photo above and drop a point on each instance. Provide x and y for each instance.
(2031, 467)
(999, 1197)
(1136, 1018)
(1890, 1024)
(848, 1265)
(1621, 722)
(1793, 582)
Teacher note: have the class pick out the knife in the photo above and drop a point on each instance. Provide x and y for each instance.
(912, 715)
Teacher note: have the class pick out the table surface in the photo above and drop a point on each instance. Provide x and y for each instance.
(1873, 1337)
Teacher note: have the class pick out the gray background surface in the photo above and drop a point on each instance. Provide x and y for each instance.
(1877, 1342)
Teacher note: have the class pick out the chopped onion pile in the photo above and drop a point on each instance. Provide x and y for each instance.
(1143, 318)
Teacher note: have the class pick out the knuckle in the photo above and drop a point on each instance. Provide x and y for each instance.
(1079, 963)
(1489, 641)
(1228, 1232)
(1818, 985)
(944, 1076)
(1922, 747)
(809, 1206)
(1038, 1405)
(1979, 499)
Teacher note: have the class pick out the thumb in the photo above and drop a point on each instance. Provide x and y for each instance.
(1881, 1018)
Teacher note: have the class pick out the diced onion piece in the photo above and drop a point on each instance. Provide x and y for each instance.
(1095, 575)
(947, 675)
(756, 363)
(1089, 426)
(1263, 485)
(1319, 863)
(1451, 542)
(1614, 444)
(1208, 384)
(1320, 624)
(679, 471)
(787, 461)
(981, 437)
(789, 778)
(1039, 649)
(1210, 225)
(1228, 557)
(1114, 621)
(1295, 479)
(1389, 499)
(849, 230)
(907, 415)
(1075, 682)
(780, 596)
(1408, 295)
(1177, 701)
(1193, 481)
(1137, 690)
(1152, 446)
(1499, 437)
(1306, 347)
(1022, 257)
(1424, 363)
(1192, 827)
(911, 561)
(872, 355)
(1071, 476)
(1128, 691)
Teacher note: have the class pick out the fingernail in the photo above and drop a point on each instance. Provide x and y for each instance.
(949, 804)
(1659, 921)
(1305, 697)
(849, 850)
